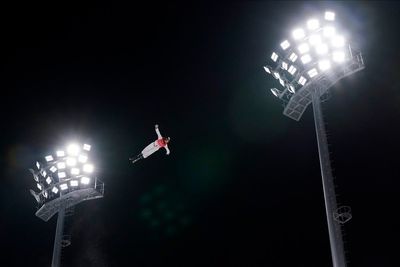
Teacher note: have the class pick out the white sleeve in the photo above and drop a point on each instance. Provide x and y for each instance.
(158, 132)
(166, 148)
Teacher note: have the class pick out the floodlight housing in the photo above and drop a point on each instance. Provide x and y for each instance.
(88, 168)
(313, 24)
(60, 153)
(267, 70)
(74, 183)
(54, 190)
(293, 57)
(49, 158)
(63, 186)
(285, 44)
(73, 150)
(48, 180)
(85, 180)
(329, 15)
(87, 147)
(298, 34)
(274, 57)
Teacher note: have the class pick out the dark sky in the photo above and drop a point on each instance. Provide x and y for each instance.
(242, 186)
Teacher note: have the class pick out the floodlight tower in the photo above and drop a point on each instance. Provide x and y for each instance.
(306, 66)
(64, 179)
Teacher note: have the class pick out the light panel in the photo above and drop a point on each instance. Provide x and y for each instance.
(276, 75)
(321, 49)
(315, 39)
(61, 165)
(282, 82)
(306, 59)
(293, 57)
(71, 161)
(292, 70)
(298, 34)
(39, 186)
(312, 73)
(48, 180)
(75, 171)
(303, 48)
(85, 180)
(274, 57)
(88, 168)
(267, 70)
(73, 150)
(338, 41)
(74, 183)
(82, 158)
(49, 158)
(38, 165)
(284, 65)
(302, 80)
(63, 187)
(324, 65)
(329, 31)
(53, 169)
(44, 173)
(338, 56)
(87, 147)
(285, 44)
(54, 190)
(329, 15)
(60, 153)
(312, 24)
(45, 194)
(62, 175)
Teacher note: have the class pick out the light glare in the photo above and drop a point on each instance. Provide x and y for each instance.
(322, 49)
(71, 161)
(82, 158)
(324, 65)
(60, 153)
(329, 15)
(75, 171)
(312, 73)
(329, 31)
(338, 41)
(63, 186)
(73, 150)
(338, 56)
(315, 39)
(61, 165)
(88, 168)
(49, 158)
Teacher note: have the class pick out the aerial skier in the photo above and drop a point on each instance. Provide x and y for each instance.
(161, 142)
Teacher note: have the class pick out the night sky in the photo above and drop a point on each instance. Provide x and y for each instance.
(242, 185)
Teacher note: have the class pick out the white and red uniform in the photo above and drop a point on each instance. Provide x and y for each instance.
(156, 145)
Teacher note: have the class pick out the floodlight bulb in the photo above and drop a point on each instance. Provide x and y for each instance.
(48, 180)
(338, 41)
(54, 190)
(88, 168)
(303, 48)
(45, 194)
(284, 65)
(63, 186)
(267, 70)
(61, 165)
(312, 73)
(291, 89)
(44, 173)
(74, 183)
(338, 56)
(298, 34)
(306, 59)
(324, 65)
(39, 186)
(285, 44)
(274, 57)
(87, 147)
(329, 15)
(38, 165)
(49, 158)
(71, 161)
(276, 75)
(62, 175)
(293, 57)
(85, 180)
(275, 92)
(315, 39)
(321, 49)
(75, 171)
(60, 153)
(329, 31)
(302, 80)
(282, 82)
(73, 150)
(292, 69)
(313, 24)
(82, 158)
(53, 169)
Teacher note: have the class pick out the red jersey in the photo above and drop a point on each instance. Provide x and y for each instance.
(161, 142)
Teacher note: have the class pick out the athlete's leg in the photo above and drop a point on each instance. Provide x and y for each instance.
(140, 156)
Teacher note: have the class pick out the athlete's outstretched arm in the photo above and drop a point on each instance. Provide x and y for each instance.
(166, 148)
(158, 132)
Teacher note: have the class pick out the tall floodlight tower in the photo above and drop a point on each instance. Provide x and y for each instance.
(64, 179)
(306, 65)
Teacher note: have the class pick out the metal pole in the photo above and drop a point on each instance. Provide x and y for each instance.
(57, 240)
(334, 228)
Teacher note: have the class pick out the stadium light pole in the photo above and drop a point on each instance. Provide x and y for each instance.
(306, 65)
(64, 179)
